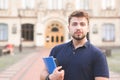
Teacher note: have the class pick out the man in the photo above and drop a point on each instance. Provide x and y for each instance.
(8, 49)
(78, 59)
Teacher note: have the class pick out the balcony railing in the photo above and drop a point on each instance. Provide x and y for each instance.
(27, 13)
(109, 13)
(4, 13)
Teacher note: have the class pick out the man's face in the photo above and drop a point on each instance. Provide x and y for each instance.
(78, 27)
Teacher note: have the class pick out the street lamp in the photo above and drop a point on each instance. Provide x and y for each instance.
(20, 46)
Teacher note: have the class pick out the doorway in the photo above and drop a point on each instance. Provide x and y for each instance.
(54, 34)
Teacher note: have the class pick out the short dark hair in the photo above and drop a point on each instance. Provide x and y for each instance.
(78, 14)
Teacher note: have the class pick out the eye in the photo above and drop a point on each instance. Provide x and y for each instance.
(74, 24)
(82, 24)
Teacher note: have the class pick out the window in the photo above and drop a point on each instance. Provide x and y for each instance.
(3, 32)
(28, 4)
(3, 4)
(55, 4)
(55, 29)
(47, 39)
(14, 29)
(94, 29)
(108, 32)
(62, 38)
(108, 4)
(27, 32)
(82, 4)
(57, 39)
(52, 39)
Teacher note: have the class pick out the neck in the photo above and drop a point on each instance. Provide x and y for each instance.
(79, 43)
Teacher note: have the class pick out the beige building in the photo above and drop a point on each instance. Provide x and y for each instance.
(44, 22)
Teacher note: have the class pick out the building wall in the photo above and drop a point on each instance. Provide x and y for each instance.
(41, 16)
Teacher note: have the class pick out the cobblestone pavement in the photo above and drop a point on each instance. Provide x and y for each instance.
(30, 67)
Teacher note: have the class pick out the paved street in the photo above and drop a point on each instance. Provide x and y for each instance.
(30, 67)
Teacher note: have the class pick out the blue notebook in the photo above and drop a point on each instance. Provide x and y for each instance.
(50, 63)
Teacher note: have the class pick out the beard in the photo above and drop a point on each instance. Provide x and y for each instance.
(78, 38)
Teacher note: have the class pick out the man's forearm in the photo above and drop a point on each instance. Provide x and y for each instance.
(43, 75)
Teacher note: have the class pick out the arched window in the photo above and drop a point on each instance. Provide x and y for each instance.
(55, 29)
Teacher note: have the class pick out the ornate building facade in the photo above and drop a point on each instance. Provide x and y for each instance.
(44, 22)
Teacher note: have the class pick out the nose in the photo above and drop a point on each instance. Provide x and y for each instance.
(78, 26)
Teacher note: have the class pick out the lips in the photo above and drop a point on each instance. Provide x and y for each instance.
(78, 32)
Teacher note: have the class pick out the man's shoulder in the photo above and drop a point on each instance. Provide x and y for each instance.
(62, 45)
(95, 48)
(58, 48)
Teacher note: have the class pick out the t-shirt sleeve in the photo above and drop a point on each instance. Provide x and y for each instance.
(101, 66)
(53, 52)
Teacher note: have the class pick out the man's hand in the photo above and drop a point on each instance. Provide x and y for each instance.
(58, 74)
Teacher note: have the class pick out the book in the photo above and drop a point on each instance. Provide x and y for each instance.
(51, 63)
